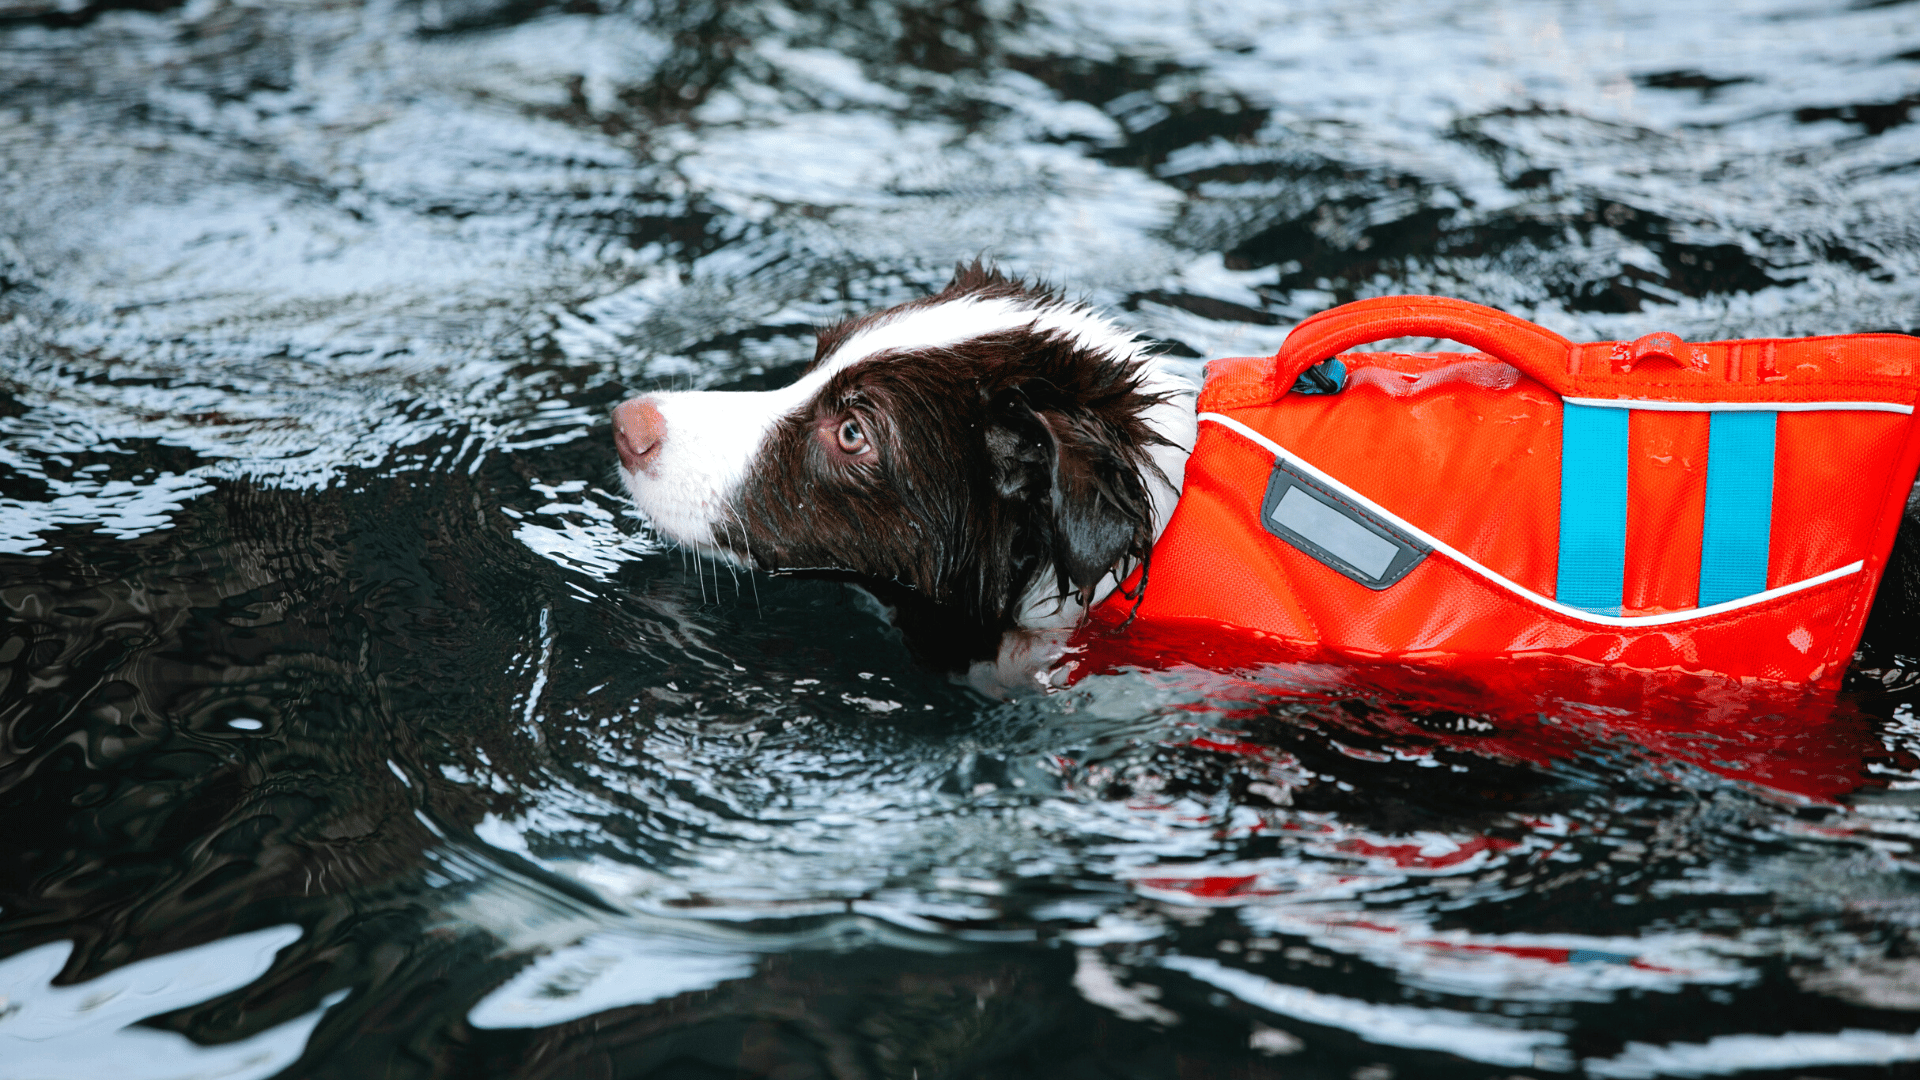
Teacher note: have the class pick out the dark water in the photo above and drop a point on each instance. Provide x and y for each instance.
(352, 728)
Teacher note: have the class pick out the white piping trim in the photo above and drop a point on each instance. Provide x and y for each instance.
(1516, 588)
(1741, 406)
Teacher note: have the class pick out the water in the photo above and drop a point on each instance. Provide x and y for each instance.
(353, 727)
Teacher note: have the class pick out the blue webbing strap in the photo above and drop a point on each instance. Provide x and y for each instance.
(1739, 517)
(1593, 508)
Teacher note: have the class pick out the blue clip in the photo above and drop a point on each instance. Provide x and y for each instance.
(1325, 377)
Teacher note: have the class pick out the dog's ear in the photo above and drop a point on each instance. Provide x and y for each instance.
(1102, 514)
(1088, 510)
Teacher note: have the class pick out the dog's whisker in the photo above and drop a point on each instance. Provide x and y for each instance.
(726, 529)
(746, 539)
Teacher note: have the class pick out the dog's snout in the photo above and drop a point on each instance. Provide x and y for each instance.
(638, 428)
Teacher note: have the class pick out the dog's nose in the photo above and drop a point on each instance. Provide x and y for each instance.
(638, 428)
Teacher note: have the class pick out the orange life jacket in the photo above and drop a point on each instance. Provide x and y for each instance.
(1722, 508)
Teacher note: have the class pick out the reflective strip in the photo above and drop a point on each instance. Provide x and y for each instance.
(1340, 535)
(1743, 406)
(1593, 508)
(1738, 527)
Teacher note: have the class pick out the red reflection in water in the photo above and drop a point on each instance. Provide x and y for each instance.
(1792, 741)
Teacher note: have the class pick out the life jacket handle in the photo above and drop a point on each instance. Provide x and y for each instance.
(1878, 368)
(1535, 350)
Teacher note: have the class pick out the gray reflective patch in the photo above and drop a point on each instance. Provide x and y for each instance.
(1329, 527)
(1339, 535)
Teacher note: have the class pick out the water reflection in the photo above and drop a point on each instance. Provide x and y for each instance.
(320, 611)
(88, 1030)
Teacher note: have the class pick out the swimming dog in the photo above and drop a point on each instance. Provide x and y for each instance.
(991, 461)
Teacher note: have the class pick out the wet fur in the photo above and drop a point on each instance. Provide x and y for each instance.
(1008, 471)
(1007, 461)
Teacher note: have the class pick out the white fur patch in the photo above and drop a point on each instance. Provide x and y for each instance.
(947, 324)
(702, 460)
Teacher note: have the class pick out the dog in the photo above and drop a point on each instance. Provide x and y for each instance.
(991, 462)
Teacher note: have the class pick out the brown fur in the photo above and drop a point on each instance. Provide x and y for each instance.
(1005, 461)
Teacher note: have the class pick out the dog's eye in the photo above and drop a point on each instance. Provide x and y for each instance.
(852, 438)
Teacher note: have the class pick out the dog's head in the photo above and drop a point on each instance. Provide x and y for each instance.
(994, 449)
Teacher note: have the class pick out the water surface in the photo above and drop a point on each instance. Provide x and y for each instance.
(353, 726)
